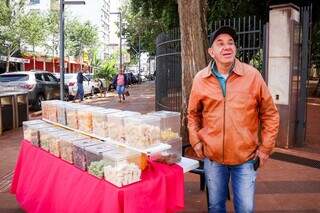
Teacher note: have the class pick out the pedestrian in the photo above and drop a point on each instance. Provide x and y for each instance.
(80, 91)
(229, 105)
(120, 82)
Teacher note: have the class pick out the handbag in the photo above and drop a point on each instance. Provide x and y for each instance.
(127, 93)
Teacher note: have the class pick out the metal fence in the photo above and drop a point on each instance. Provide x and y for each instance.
(168, 58)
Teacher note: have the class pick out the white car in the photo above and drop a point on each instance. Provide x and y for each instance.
(70, 79)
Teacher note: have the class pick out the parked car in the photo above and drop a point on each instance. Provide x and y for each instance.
(70, 79)
(99, 83)
(41, 85)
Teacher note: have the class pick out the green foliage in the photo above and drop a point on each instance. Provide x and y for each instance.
(107, 69)
(146, 19)
(33, 33)
(52, 31)
(80, 37)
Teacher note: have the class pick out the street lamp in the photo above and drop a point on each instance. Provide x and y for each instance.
(62, 4)
(120, 29)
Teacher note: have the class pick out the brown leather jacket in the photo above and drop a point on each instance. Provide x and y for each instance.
(228, 126)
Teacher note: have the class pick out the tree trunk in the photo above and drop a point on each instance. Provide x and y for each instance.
(8, 60)
(194, 45)
(34, 59)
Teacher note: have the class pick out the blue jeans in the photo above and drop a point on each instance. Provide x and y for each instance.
(243, 181)
(80, 91)
(120, 89)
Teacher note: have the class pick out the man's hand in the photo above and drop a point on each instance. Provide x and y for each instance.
(263, 157)
(198, 148)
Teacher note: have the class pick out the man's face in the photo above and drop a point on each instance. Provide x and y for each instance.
(223, 49)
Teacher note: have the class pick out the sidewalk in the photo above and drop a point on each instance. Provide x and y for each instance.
(281, 186)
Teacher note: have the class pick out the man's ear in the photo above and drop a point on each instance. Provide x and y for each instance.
(211, 52)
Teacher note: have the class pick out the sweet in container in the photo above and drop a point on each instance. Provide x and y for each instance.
(100, 121)
(142, 131)
(120, 167)
(94, 157)
(79, 153)
(172, 155)
(116, 123)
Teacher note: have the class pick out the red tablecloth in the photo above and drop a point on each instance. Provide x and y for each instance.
(45, 183)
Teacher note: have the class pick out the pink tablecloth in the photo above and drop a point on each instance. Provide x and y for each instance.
(44, 183)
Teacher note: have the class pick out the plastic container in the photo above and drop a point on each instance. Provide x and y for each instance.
(142, 131)
(31, 130)
(49, 109)
(79, 153)
(54, 141)
(61, 112)
(172, 155)
(46, 136)
(100, 121)
(94, 155)
(66, 145)
(121, 168)
(85, 118)
(72, 115)
(169, 124)
(116, 123)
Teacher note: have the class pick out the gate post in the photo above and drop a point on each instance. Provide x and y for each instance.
(282, 66)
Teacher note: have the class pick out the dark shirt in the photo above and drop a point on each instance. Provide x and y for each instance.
(80, 78)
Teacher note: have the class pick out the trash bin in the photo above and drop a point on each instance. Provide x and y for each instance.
(7, 115)
(22, 112)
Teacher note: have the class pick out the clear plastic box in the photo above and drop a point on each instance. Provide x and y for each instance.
(169, 125)
(85, 118)
(54, 144)
(66, 145)
(116, 123)
(121, 167)
(79, 153)
(72, 115)
(61, 112)
(172, 155)
(142, 131)
(94, 155)
(100, 121)
(49, 109)
(46, 136)
(31, 130)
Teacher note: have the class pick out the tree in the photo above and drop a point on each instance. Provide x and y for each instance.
(80, 37)
(194, 45)
(52, 31)
(107, 69)
(33, 33)
(10, 31)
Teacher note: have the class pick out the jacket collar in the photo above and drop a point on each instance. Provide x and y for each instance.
(236, 69)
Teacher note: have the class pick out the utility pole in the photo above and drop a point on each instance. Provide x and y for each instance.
(139, 61)
(120, 40)
(61, 46)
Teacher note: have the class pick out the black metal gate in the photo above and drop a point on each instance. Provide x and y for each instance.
(303, 71)
(168, 58)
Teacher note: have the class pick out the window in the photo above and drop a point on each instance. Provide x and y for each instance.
(14, 77)
(34, 1)
(52, 78)
(39, 77)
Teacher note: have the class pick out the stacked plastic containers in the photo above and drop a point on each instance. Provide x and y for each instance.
(116, 123)
(47, 135)
(100, 121)
(31, 130)
(121, 167)
(85, 118)
(142, 131)
(72, 115)
(49, 109)
(94, 157)
(79, 154)
(54, 141)
(66, 145)
(170, 128)
(61, 112)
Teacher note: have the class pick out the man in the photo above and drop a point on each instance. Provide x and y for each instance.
(228, 101)
(80, 91)
(120, 82)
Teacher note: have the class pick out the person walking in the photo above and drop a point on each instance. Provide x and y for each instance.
(120, 82)
(80, 91)
(229, 105)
